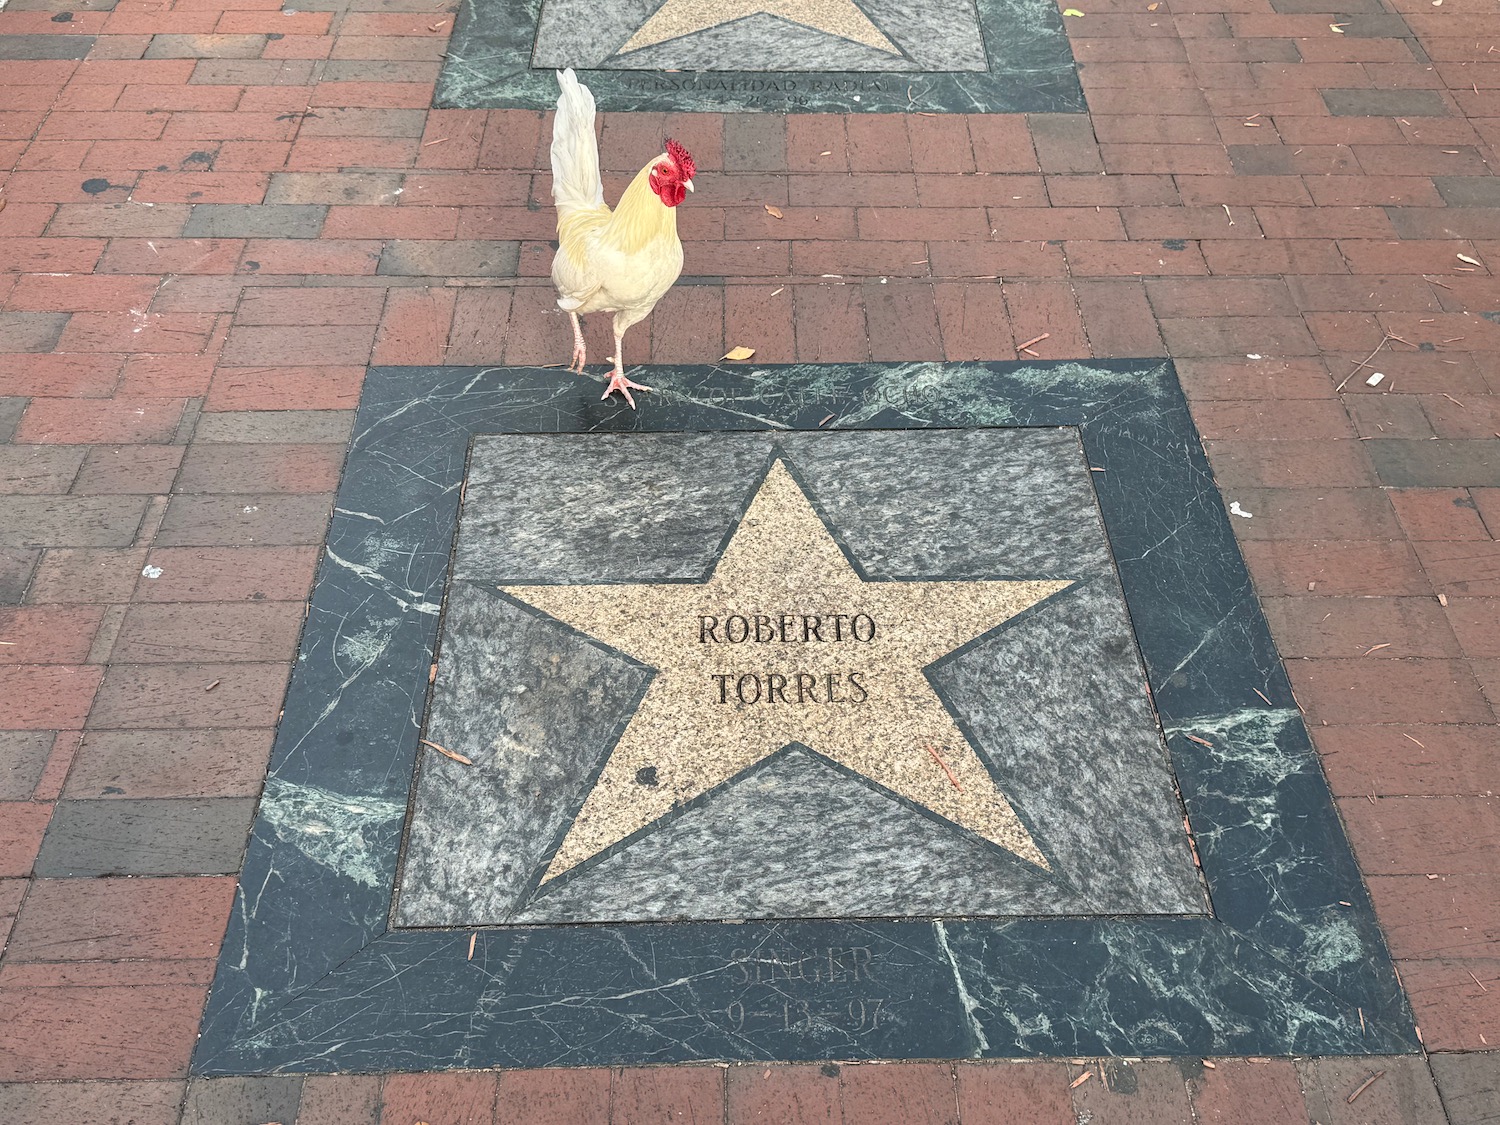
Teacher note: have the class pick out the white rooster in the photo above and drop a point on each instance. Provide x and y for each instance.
(621, 261)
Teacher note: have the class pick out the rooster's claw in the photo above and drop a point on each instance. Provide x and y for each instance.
(618, 382)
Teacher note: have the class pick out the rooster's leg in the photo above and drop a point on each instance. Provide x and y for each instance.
(580, 353)
(617, 381)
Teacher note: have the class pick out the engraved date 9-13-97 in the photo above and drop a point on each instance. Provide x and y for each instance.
(785, 970)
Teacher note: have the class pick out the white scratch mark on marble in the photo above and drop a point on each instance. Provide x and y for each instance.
(375, 578)
(981, 1041)
(330, 828)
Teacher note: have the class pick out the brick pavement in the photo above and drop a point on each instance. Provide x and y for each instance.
(218, 212)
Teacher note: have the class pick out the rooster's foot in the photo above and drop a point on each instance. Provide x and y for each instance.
(575, 365)
(618, 382)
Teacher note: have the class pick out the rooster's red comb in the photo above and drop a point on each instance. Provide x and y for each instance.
(685, 166)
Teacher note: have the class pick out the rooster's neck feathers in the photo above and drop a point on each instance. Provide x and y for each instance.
(640, 217)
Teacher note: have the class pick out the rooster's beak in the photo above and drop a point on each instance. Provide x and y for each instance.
(688, 184)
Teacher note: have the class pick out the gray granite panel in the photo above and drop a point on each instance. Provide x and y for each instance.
(1054, 700)
(480, 831)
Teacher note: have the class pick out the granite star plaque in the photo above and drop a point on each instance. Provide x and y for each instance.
(957, 56)
(1028, 571)
(806, 729)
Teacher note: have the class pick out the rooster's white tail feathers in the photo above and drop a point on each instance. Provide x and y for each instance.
(575, 152)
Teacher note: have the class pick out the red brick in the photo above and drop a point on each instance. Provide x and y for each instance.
(860, 259)
(311, 306)
(1081, 223)
(1420, 760)
(53, 255)
(137, 331)
(202, 187)
(65, 376)
(513, 139)
(74, 575)
(990, 190)
(1454, 916)
(1424, 690)
(1268, 458)
(110, 421)
(157, 376)
(140, 1103)
(1135, 1093)
(182, 156)
(333, 345)
(902, 322)
(451, 139)
(1243, 190)
(1237, 335)
(1476, 621)
(252, 156)
(130, 1030)
(50, 155)
(392, 222)
(1462, 568)
(988, 260)
(1424, 835)
(753, 317)
(240, 126)
(691, 1093)
(795, 1095)
(262, 467)
(339, 1099)
(830, 324)
(80, 292)
(440, 1099)
(1133, 259)
(941, 143)
(22, 824)
(160, 97)
(301, 255)
(1274, 256)
(1454, 1013)
(1002, 1093)
(859, 189)
(1118, 318)
(47, 697)
(1447, 514)
(397, 95)
(552, 1097)
(168, 696)
(119, 919)
(878, 143)
(287, 388)
(172, 255)
(155, 763)
(1101, 191)
(110, 125)
(925, 1092)
(1347, 627)
(1220, 1096)
(128, 469)
(687, 326)
(312, 152)
(165, 633)
(48, 636)
(414, 327)
(1050, 307)
(973, 321)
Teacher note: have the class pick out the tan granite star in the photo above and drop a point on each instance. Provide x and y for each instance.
(841, 18)
(786, 643)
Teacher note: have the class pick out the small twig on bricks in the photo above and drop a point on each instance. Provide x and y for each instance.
(1365, 1085)
(1033, 340)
